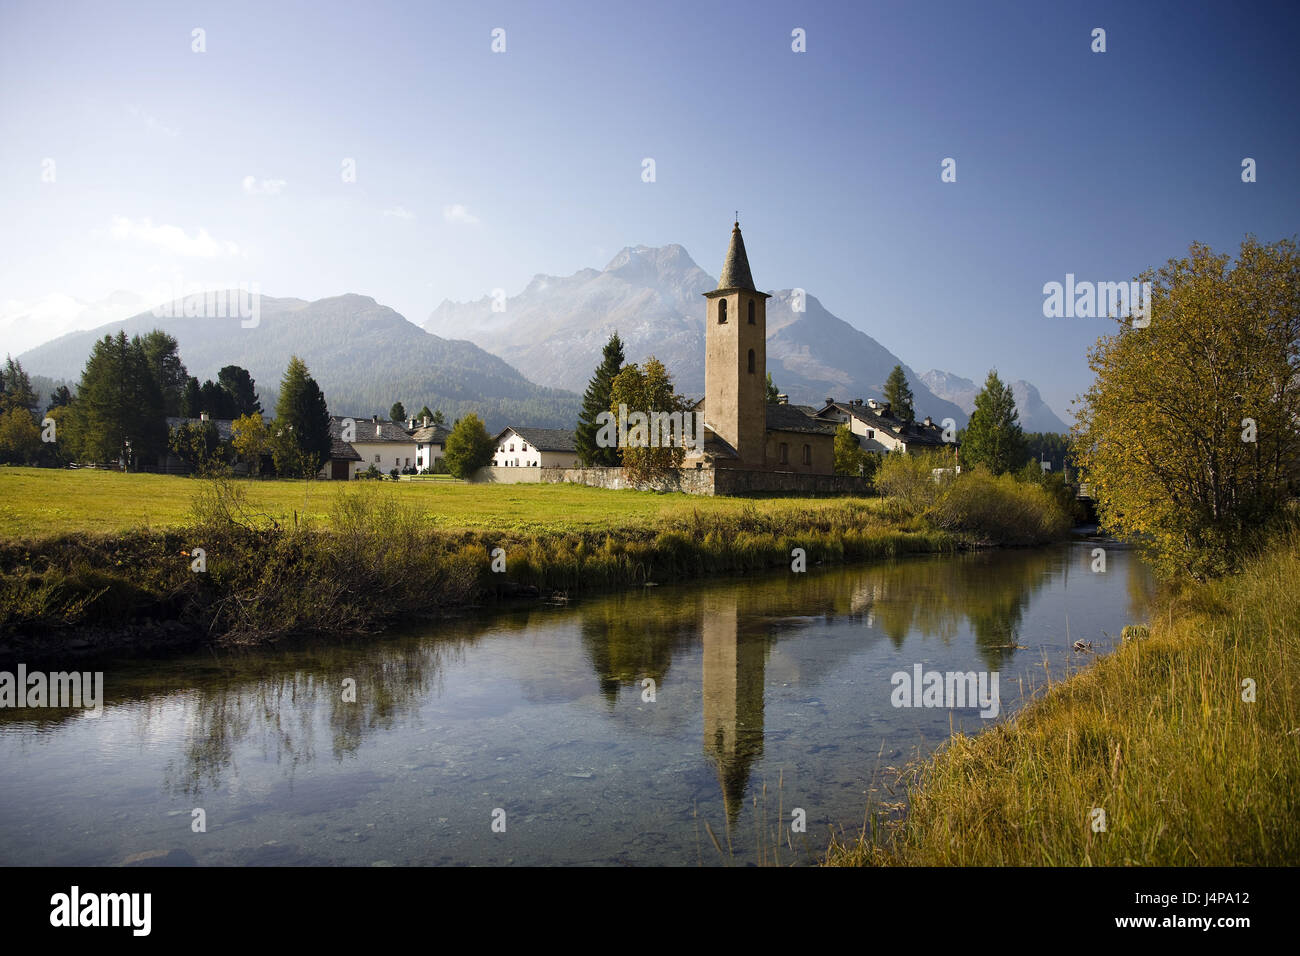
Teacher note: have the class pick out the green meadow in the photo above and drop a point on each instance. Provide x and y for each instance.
(42, 502)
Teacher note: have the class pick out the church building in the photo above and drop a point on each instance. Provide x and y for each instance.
(742, 429)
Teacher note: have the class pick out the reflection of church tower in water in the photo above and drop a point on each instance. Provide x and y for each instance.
(734, 669)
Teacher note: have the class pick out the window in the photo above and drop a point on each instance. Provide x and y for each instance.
(512, 447)
(807, 454)
(524, 447)
(751, 311)
(751, 361)
(722, 311)
(376, 459)
(871, 433)
(785, 452)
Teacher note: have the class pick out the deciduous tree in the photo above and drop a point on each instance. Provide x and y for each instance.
(1188, 436)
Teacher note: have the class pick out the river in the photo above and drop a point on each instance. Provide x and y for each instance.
(728, 721)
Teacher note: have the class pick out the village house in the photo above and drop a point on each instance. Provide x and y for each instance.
(358, 443)
(169, 463)
(879, 430)
(430, 444)
(535, 448)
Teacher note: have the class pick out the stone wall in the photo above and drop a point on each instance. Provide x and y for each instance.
(495, 475)
(709, 481)
(692, 481)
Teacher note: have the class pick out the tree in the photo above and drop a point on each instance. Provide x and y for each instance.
(163, 354)
(15, 387)
(647, 391)
(1187, 437)
(191, 398)
(773, 393)
(397, 413)
(216, 401)
(469, 447)
(250, 439)
(1050, 447)
(119, 412)
(993, 437)
(302, 423)
(20, 438)
(849, 455)
(899, 395)
(438, 419)
(596, 400)
(61, 397)
(239, 385)
(198, 444)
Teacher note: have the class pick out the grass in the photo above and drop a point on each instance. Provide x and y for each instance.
(113, 554)
(37, 503)
(1157, 735)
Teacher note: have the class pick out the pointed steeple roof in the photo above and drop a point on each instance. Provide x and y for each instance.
(735, 269)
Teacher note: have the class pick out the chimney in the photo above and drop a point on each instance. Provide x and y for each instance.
(374, 418)
(203, 416)
(783, 399)
(426, 421)
(829, 400)
(929, 422)
(379, 430)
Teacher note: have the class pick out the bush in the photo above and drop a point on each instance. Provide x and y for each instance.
(909, 480)
(999, 510)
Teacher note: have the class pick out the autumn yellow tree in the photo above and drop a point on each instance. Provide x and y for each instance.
(648, 392)
(1188, 437)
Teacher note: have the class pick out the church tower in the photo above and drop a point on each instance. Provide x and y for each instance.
(735, 358)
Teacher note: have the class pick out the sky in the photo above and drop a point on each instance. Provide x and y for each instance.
(131, 163)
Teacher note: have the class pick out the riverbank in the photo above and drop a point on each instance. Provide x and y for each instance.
(372, 555)
(1182, 748)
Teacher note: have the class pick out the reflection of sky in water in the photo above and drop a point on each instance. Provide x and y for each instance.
(774, 689)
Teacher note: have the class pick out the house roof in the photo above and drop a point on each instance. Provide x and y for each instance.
(368, 430)
(718, 447)
(797, 418)
(735, 268)
(223, 424)
(342, 451)
(431, 435)
(544, 439)
(913, 433)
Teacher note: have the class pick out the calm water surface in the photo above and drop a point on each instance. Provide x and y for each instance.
(770, 692)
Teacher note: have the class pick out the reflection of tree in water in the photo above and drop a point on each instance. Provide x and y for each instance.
(630, 637)
(989, 591)
(283, 704)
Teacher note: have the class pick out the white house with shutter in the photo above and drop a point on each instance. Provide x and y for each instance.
(358, 443)
(535, 448)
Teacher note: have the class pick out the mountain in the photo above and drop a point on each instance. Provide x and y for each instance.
(554, 330)
(364, 355)
(1035, 414)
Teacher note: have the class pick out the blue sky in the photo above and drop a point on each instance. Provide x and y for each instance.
(477, 170)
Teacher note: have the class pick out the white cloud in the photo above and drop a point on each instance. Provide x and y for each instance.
(457, 213)
(172, 238)
(266, 187)
(401, 212)
(25, 324)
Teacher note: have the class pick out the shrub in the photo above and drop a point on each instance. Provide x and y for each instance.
(909, 480)
(999, 510)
